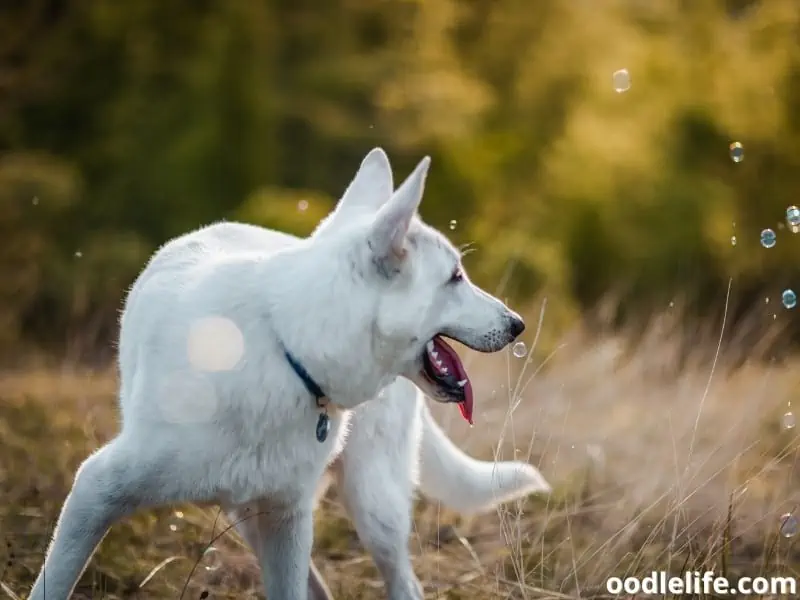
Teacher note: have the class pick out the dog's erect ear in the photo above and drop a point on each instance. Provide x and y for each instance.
(372, 186)
(387, 238)
(370, 189)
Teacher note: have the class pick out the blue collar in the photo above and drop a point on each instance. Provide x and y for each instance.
(310, 384)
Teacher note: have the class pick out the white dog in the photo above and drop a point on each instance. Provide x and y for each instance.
(393, 445)
(238, 370)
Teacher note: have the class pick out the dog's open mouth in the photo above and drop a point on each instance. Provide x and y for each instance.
(442, 367)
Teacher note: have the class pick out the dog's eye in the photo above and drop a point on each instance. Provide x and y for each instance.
(457, 275)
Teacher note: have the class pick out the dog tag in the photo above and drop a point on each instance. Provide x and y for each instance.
(323, 427)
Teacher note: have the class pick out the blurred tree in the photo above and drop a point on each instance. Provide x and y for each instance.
(133, 122)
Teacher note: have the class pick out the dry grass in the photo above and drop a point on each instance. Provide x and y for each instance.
(655, 467)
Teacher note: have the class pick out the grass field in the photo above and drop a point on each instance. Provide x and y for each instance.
(657, 464)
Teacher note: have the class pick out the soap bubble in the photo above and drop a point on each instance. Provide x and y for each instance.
(788, 525)
(211, 559)
(793, 219)
(621, 80)
(737, 152)
(519, 350)
(768, 238)
(789, 298)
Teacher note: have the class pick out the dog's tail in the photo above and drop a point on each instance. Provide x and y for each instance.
(465, 484)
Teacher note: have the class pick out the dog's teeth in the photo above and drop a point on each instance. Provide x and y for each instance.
(429, 346)
(462, 383)
(445, 371)
(435, 355)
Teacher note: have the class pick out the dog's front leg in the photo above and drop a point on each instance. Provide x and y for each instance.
(379, 503)
(281, 540)
(286, 554)
(255, 522)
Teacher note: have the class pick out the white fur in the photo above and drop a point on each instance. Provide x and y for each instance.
(212, 410)
(394, 445)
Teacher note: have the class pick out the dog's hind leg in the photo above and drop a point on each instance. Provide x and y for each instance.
(110, 484)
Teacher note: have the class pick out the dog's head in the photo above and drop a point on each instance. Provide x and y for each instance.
(422, 294)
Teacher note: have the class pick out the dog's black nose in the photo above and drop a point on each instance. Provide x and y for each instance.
(516, 325)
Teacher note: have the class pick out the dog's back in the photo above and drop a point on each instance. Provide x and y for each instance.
(172, 261)
(180, 266)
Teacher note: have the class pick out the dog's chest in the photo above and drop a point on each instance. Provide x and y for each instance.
(285, 464)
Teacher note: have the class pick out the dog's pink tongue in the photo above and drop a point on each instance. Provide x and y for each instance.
(466, 406)
(454, 363)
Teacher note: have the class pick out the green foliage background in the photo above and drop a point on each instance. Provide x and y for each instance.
(125, 123)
